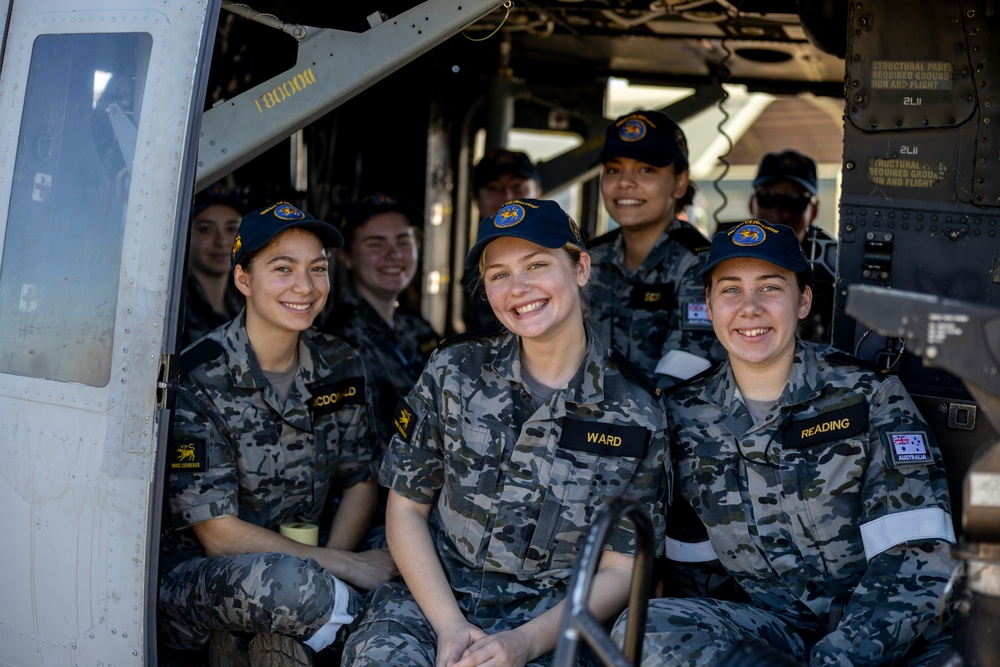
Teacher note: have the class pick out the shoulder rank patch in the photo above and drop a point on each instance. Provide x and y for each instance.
(845, 359)
(402, 420)
(630, 369)
(833, 425)
(652, 296)
(691, 238)
(603, 239)
(333, 396)
(604, 439)
(201, 352)
(711, 370)
(186, 455)
(907, 449)
(428, 346)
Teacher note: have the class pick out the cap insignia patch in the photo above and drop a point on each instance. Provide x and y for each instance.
(508, 216)
(288, 212)
(632, 130)
(237, 244)
(749, 235)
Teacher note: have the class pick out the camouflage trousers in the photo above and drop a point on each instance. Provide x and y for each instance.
(393, 631)
(689, 632)
(257, 593)
(696, 632)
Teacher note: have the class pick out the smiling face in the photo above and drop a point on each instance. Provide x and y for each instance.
(755, 308)
(286, 284)
(212, 234)
(534, 291)
(637, 194)
(383, 256)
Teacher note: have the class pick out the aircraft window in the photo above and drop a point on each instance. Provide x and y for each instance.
(61, 262)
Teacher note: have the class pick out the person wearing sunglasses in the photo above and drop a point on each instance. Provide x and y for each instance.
(785, 192)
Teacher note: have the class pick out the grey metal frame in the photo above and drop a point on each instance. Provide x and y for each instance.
(578, 623)
(332, 66)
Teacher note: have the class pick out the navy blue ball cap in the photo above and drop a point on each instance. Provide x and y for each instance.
(647, 136)
(787, 165)
(760, 239)
(217, 195)
(359, 212)
(537, 220)
(257, 228)
(501, 161)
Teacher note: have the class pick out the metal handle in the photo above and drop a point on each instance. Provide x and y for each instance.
(578, 623)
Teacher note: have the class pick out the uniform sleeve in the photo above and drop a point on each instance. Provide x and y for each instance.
(894, 603)
(212, 489)
(905, 494)
(905, 528)
(413, 465)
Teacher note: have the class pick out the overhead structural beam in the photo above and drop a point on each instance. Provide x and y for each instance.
(332, 66)
(577, 164)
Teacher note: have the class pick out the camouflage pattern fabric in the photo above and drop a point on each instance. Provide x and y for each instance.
(832, 514)
(238, 452)
(514, 490)
(657, 308)
(395, 632)
(199, 316)
(393, 355)
(256, 593)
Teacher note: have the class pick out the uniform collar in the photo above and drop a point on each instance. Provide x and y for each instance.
(656, 254)
(805, 382)
(585, 388)
(245, 370)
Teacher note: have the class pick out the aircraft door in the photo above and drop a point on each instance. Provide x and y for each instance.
(102, 105)
(920, 209)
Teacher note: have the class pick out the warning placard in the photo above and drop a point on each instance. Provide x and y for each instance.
(911, 75)
(899, 173)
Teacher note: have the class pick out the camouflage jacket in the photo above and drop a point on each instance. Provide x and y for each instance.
(200, 317)
(659, 307)
(237, 451)
(834, 506)
(514, 490)
(393, 355)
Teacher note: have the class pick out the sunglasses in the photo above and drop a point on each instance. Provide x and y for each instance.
(791, 203)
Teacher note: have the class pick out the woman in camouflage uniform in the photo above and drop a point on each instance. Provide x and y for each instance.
(818, 481)
(505, 449)
(647, 301)
(271, 415)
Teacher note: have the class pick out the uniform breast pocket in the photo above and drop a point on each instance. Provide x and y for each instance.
(581, 483)
(824, 459)
(826, 482)
(472, 461)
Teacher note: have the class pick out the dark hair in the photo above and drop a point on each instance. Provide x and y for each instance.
(687, 198)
